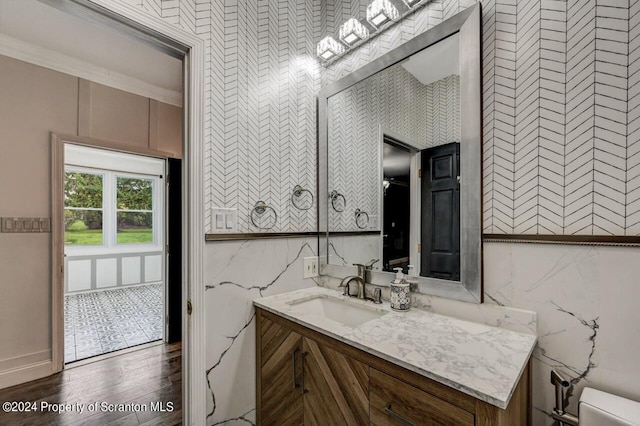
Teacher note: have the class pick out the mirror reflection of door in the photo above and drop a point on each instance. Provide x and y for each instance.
(440, 234)
(396, 165)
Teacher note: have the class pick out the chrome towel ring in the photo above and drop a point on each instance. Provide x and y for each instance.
(298, 198)
(259, 215)
(338, 202)
(362, 219)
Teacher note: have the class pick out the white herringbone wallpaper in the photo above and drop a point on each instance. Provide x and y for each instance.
(561, 116)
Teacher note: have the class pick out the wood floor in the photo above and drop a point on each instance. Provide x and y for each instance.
(143, 377)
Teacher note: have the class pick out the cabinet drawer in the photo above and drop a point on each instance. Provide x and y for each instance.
(396, 403)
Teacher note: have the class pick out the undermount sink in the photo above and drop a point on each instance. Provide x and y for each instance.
(346, 313)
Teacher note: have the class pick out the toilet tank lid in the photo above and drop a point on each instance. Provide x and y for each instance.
(617, 406)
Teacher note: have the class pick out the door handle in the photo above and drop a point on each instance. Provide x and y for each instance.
(304, 355)
(295, 382)
(402, 419)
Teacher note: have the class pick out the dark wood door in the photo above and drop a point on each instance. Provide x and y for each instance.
(281, 371)
(336, 387)
(440, 228)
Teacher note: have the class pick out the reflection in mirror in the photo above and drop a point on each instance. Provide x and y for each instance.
(396, 204)
(419, 104)
(394, 155)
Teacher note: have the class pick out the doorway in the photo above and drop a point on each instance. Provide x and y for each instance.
(114, 248)
(38, 327)
(396, 193)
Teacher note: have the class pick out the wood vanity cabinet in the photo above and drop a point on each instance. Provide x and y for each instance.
(304, 377)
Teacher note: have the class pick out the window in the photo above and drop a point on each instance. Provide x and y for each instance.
(134, 211)
(83, 209)
(109, 211)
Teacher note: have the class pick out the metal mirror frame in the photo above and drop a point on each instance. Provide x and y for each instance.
(468, 24)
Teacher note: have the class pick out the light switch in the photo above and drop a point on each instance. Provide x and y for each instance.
(229, 222)
(25, 224)
(226, 220)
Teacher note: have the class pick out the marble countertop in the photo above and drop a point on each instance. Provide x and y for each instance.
(482, 361)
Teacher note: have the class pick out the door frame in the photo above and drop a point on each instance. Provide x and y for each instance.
(414, 193)
(190, 48)
(58, 168)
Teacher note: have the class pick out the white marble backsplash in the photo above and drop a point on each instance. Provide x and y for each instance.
(586, 298)
(514, 319)
(236, 273)
(347, 250)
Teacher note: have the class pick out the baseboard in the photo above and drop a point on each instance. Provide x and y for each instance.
(24, 359)
(25, 373)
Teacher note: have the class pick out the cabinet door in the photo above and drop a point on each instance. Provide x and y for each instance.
(336, 387)
(281, 371)
(394, 402)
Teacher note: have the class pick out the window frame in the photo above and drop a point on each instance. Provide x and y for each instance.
(110, 217)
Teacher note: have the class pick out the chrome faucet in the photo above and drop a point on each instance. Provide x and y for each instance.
(360, 279)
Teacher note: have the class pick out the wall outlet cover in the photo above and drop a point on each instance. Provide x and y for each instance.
(310, 265)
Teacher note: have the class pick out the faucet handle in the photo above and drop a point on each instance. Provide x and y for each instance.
(361, 269)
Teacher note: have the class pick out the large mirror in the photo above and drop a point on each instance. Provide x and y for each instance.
(400, 164)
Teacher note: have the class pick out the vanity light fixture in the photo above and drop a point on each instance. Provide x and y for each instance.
(353, 31)
(379, 12)
(328, 48)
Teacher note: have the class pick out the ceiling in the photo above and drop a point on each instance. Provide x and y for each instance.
(396, 162)
(41, 25)
(436, 62)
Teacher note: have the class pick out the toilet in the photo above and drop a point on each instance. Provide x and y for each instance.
(599, 408)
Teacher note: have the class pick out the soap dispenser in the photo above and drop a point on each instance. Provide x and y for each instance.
(400, 292)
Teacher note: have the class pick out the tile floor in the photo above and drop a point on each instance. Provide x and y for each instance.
(105, 321)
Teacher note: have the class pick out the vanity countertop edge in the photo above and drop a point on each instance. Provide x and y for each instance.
(479, 360)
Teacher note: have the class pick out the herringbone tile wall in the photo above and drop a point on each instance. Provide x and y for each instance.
(561, 140)
(262, 109)
(559, 112)
(420, 115)
(261, 80)
(561, 126)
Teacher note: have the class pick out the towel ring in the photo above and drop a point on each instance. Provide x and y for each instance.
(362, 219)
(297, 196)
(259, 209)
(337, 205)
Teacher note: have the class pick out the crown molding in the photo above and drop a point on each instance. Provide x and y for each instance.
(27, 52)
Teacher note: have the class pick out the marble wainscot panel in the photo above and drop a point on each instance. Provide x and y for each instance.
(236, 273)
(347, 250)
(520, 320)
(586, 298)
(482, 361)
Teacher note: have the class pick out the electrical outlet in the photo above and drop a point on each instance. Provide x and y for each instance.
(310, 267)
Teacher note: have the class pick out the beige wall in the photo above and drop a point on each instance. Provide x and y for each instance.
(34, 102)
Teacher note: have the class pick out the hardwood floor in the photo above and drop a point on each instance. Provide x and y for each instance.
(151, 375)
